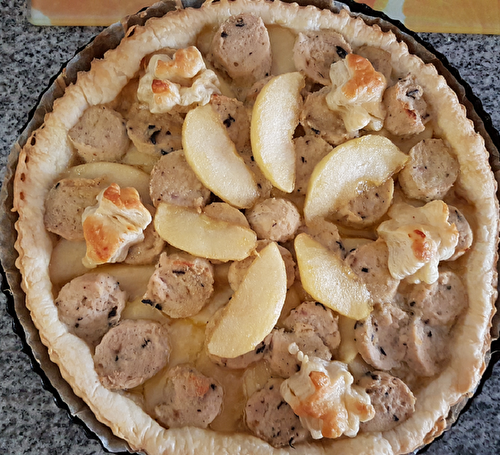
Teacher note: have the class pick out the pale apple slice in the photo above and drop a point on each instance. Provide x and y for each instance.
(347, 350)
(66, 261)
(254, 308)
(133, 279)
(255, 377)
(222, 294)
(186, 340)
(293, 300)
(153, 390)
(143, 161)
(138, 310)
(201, 235)
(282, 41)
(213, 157)
(329, 280)
(121, 174)
(347, 170)
(66, 264)
(275, 116)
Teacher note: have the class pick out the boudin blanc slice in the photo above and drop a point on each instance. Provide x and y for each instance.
(321, 319)
(190, 399)
(393, 401)
(380, 339)
(271, 418)
(441, 302)
(380, 59)
(241, 48)
(428, 346)
(281, 362)
(65, 204)
(100, 135)
(309, 151)
(131, 353)
(173, 181)
(314, 52)
(235, 118)
(274, 219)
(90, 304)
(370, 263)
(148, 251)
(181, 285)
(406, 108)
(368, 207)
(430, 172)
(320, 121)
(154, 134)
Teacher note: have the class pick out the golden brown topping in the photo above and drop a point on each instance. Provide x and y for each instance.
(113, 225)
(181, 80)
(364, 81)
(418, 238)
(357, 91)
(323, 396)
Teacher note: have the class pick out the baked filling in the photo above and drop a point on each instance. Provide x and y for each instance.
(261, 226)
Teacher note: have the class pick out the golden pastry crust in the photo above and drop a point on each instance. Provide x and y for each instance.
(49, 151)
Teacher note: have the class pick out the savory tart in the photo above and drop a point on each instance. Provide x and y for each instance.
(257, 227)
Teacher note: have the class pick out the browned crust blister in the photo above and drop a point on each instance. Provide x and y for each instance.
(48, 152)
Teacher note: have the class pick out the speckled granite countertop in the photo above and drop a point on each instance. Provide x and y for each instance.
(30, 421)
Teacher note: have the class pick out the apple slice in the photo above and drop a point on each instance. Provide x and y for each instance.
(187, 340)
(282, 41)
(201, 235)
(329, 280)
(143, 161)
(347, 169)
(66, 261)
(66, 264)
(255, 377)
(222, 294)
(121, 174)
(254, 308)
(133, 279)
(347, 350)
(213, 157)
(135, 309)
(274, 119)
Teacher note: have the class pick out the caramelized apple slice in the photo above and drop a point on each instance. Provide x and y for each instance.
(329, 280)
(254, 308)
(213, 157)
(347, 169)
(274, 119)
(201, 235)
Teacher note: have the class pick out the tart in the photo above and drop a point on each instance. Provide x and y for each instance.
(260, 227)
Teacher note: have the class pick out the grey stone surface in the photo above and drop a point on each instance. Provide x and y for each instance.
(30, 421)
